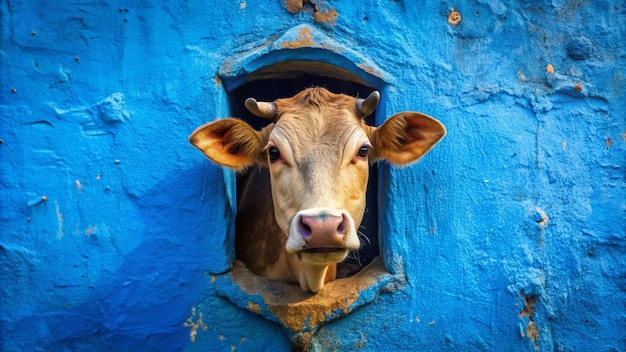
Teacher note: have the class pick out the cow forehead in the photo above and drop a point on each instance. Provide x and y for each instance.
(328, 130)
(317, 120)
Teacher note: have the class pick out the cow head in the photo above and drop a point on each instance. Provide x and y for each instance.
(317, 150)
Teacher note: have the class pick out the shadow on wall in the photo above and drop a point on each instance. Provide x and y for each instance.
(144, 304)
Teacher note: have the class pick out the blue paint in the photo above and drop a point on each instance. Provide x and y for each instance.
(524, 197)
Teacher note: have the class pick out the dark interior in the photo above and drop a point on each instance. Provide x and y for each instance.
(269, 87)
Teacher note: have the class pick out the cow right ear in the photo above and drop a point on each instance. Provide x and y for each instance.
(405, 137)
(229, 142)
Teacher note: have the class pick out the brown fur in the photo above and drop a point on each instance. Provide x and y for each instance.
(257, 231)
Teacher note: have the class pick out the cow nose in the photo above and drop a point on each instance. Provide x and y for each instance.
(323, 230)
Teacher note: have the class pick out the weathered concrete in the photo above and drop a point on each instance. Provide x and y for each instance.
(510, 235)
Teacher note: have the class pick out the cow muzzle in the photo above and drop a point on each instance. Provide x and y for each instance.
(322, 236)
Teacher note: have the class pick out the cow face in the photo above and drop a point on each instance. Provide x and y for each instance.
(317, 151)
(318, 161)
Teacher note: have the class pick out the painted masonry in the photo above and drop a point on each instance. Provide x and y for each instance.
(116, 235)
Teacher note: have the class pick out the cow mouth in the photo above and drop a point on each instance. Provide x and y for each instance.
(323, 250)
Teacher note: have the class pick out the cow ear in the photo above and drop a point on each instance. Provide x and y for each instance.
(229, 142)
(406, 137)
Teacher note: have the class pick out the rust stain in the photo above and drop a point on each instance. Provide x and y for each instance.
(608, 142)
(578, 87)
(304, 40)
(550, 68)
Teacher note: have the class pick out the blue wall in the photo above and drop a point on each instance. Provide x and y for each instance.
(511, 233)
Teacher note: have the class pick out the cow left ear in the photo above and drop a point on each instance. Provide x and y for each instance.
(229, 142)
(406, 137)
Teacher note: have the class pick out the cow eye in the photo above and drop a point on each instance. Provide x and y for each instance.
(273, 153)
(363, 151)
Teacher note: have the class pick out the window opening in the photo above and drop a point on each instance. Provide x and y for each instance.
(361, 277)
(270, 89)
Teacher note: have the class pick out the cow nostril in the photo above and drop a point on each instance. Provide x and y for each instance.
(342, 229)
(305, 229)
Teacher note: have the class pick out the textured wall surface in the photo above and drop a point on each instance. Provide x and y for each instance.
(510, 235)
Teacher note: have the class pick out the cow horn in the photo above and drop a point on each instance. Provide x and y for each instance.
(261, 109)
(367, 106)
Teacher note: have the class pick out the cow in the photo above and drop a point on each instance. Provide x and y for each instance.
(300, 207)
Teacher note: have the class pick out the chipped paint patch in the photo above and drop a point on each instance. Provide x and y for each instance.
(294, 6)
(543, 220)
(328, 16)
(60, 233)
(305, 39)
(195, 326)
(454, 17)
(321, 13)
(253, 307)
(369, 69)
(300, 311)
(528, 311)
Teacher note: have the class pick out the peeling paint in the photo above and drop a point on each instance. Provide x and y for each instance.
(294, 6)
(305, 39)
(321, 12)
(532, 332)
(328, 16)
(300, 311)
(253, 307)
(369, 69)
(543, 218)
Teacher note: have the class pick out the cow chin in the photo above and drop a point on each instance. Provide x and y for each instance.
(325, 258)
